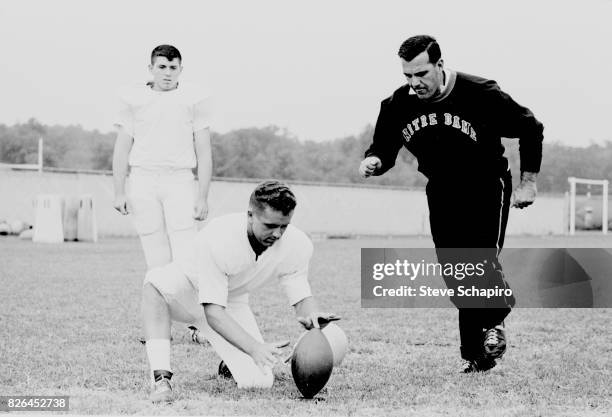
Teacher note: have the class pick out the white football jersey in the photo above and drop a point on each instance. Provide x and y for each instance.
(226, 267)
(162, 123)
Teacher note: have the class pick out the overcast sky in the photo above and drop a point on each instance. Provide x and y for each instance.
(317, 68)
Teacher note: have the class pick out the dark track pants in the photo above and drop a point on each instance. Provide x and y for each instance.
(468, 219)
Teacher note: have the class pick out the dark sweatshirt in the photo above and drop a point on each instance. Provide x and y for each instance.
(458, 136)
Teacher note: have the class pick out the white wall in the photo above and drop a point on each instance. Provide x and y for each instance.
(325, 209)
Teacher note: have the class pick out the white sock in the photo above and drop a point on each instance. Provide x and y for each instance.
(158, 352)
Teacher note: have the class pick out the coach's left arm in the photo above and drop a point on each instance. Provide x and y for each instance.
(516, 121)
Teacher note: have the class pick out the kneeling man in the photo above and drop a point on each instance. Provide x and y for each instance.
(234, 254)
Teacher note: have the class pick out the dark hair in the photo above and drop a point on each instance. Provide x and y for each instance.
(274, 194)
(167, 51)
(414, 45)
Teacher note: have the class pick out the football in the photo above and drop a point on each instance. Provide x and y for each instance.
(312, 363)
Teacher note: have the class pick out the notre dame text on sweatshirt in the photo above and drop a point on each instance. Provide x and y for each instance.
(459, 134)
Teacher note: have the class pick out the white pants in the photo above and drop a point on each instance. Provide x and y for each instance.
(182, 298)
(162, 202)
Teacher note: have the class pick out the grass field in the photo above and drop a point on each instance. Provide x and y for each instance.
(69, 324)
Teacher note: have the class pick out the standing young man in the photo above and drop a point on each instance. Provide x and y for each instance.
(163, 133)
(453, 123)
(234, 255)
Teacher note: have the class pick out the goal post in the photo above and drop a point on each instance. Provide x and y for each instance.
(572, 202)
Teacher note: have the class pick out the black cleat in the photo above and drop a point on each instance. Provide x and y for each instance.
(478, 365)
(495, 342)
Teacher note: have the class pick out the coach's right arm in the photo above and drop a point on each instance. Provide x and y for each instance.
(382, 153)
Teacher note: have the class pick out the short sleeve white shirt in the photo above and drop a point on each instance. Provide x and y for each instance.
(226, 265)
(162, 123)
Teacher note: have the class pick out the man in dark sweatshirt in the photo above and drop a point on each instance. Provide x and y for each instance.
(452, 123)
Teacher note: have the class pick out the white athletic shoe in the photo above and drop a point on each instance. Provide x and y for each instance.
(162, 392)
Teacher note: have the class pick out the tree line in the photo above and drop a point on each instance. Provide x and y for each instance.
(272, 152)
